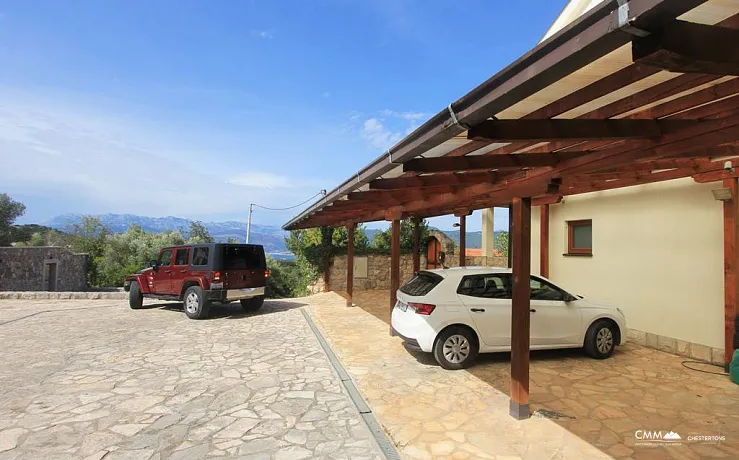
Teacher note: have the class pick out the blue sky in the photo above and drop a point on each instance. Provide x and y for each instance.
(195, 108)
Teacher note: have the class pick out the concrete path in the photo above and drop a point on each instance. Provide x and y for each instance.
(92, 379)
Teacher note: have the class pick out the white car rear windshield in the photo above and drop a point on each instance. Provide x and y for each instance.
(421, 284)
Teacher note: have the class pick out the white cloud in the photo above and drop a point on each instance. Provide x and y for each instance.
(96, 162)
(410, 116)
(383, 133)
(378, 136)
(260, 180)
(264, 34)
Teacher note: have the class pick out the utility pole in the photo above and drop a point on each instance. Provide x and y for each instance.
(248, 222)
(251, 209)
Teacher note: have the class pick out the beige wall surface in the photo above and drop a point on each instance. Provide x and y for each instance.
(657, 254)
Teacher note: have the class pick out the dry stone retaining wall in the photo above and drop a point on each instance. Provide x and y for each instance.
(378, 270)
(22, 269)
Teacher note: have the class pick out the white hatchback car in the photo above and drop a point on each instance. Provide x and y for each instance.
(456, 313)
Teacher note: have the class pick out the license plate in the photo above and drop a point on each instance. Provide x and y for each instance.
(402, 306)
(216, 285)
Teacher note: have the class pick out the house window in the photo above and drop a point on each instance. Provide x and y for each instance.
(580, 237)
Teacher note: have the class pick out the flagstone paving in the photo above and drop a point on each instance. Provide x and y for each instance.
(434, 413)
(93, 379)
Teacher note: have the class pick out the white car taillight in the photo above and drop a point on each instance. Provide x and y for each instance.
(422, 308)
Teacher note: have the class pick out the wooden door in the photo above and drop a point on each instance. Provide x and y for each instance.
(433, 260)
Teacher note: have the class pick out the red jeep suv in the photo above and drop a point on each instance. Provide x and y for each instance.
(200, 274)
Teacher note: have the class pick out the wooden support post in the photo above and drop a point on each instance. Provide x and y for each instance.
(416, 244)
(520, 318)
(327, 234)
(350, 265)
(510, 235)
(544, 242)
(462, 241)
(394, 262)
(731, 280)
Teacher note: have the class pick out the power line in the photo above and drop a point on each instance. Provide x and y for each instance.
(322, 192)
(252, 205)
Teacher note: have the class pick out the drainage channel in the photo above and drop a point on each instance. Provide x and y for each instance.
(383, 442)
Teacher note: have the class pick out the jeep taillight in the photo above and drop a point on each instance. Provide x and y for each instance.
(266, 272)
(216, 276)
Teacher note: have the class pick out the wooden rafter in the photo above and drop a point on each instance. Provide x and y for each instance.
(452, 164)
(700, 97)
(435, 180)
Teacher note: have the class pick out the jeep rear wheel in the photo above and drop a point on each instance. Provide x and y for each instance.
(253, 304)
(195, 304)
(135, 299)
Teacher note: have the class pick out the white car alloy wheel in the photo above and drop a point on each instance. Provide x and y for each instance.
(604, 340)
(456, 349)
(191, 303)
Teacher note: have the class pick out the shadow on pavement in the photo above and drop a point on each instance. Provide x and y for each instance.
(605, 402)
(232, 310)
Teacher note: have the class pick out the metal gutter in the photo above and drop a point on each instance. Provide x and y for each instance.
(593, 35)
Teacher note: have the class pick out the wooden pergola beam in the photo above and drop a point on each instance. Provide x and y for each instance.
(577, 129)
(687, 47)
(652, 165)
(511, 161)
(435, 180)
(701, 171)
(402, 194)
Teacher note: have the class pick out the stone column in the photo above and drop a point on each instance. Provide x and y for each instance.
(350, 265)
(488, 232)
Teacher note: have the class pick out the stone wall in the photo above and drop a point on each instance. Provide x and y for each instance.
(378, 270)
(478, 261)
(22, 269)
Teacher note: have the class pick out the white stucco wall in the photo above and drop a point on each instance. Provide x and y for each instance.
(657, 254)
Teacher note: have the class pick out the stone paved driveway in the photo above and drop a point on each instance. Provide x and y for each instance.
(432, 413)
(94, 379)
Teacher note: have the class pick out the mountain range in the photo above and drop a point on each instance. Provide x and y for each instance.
(271, 237)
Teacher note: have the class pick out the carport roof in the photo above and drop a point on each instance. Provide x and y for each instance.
(629, 93)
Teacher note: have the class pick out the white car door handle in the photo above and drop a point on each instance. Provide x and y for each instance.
(532, 310)
(477, 310)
